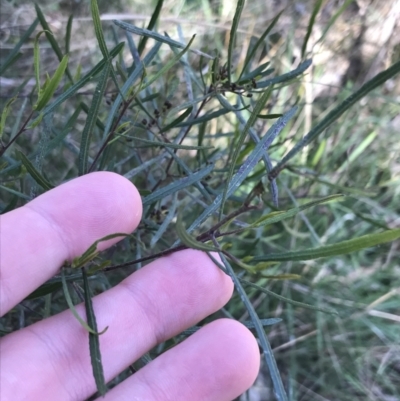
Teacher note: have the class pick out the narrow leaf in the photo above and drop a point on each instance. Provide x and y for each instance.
(98, 29)
(188, 240)
(247, 166)
(372, 84)
(12, 57)
(10, 62)
(152, 23)
(177, 185)
(94, 341)
(287, 300)
(68, 34)
(227, 106)
(265, 157)
(341, 248)
(36, 62)
(44, 289)
(35, 174)
(83, 81)
(91, 120)
(48, 92)
(232, 36)
(285, 77)
(249, 324)
(275, 217)
(334, 18)
(14, 192)
(48, 32)
(177, 120)
(260, 41)
(92, 251)
(72, 306)
(4, 115)
(238, 146)
(136, 73)
(11, 206)
(260, 71)
(156, 36)
(50, 37)
(269, 116)
(314, 14)
(100, 36)
(279, 390)
(206, 117)
(168, 65)
(167, 144)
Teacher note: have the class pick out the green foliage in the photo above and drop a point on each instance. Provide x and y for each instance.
(199, 129)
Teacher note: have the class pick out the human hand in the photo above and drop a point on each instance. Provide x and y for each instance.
(50, 360)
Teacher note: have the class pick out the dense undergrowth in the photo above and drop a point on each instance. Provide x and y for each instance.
(230, 152)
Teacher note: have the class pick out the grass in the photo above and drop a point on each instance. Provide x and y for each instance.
(353, 354)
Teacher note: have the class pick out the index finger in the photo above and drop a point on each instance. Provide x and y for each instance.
(59, 225)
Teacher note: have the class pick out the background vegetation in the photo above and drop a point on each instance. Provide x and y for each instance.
(179, 133)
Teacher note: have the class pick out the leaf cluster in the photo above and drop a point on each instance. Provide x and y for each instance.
(203, 136)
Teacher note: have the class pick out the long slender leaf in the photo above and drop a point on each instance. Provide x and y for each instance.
(68, 33)
(167, 144)
(34, 172)
(92, 251)
(50, 37)
(177, 185)
(167, 66)
(265, 157)
(152, 23)
(376, 81)
(11, 205)
(226, 105)
(188, 240)
(136, 73)
(206, 117)
(14, 192)
(238, 146)
(145, 32)
(314, 14)
(287, 300)
(83, 81)
(4, 115)
(98, 29)
(100, 36)
(156, 36)
(341, 248)
(285, 77)
(333, 19)
(36, 62)
(246, 167)
(249, 324)
(177, 120)
(260, 40)
(91, 120)
(275, 217)
(279, 390)
(44, 289)
(232, 36)
(258, 72)
(167, 221)
(52, 85)
(72, 306)
(94, 341)
(12, 57)
(49, 33)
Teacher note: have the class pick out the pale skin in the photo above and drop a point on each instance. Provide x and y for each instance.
(49, 360)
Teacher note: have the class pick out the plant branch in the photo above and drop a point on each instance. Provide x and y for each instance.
(3, 148)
